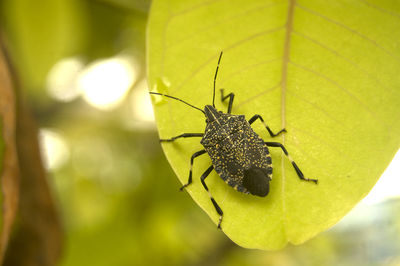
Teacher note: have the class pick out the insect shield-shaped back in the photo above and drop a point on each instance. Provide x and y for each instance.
(238, 154)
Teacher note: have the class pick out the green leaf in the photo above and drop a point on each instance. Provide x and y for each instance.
(327, 71)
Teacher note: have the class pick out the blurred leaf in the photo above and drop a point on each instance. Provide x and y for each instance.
(42, 33)
(325, 71)
(8, 155)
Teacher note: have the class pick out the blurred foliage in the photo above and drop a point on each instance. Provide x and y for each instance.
(41, 34)
(117, 196)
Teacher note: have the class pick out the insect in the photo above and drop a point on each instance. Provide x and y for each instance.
(238, 154)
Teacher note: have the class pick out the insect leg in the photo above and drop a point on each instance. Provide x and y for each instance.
(223, 98)
(255, 117)
(217, 208)
(298, 171)
(184, 135)
(196, 154)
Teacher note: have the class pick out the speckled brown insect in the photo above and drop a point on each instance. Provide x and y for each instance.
(239, 156)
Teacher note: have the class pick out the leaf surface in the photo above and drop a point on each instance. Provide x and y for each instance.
(325, 71)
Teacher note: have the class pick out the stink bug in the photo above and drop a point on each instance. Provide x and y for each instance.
(239, 156)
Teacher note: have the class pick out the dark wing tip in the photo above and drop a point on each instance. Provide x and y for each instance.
(256, 181)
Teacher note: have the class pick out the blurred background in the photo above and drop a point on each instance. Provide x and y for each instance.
(81, 66)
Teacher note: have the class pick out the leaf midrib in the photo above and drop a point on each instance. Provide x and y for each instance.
(285, 63)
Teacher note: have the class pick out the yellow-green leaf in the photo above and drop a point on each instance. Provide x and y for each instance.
(327, 71)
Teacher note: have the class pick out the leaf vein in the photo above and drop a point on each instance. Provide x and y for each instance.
(315, 106)
(222, 21)
(227, 48)
(193, 8)
(380, 9)
(285, 61)
(351, 95)
(252, 98)
(377, 80)
(168, 21)
(375, 43)
(242, 69)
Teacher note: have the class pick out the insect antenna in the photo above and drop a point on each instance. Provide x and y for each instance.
(172, 97)
(215, 78)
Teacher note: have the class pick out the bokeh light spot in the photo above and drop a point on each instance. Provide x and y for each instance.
(104, 83)
(62, 79)
(54, 149)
